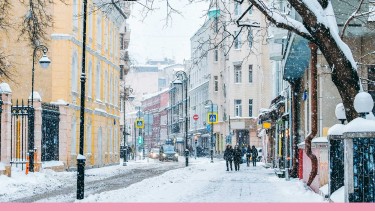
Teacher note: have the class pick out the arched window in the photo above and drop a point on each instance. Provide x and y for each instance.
(111, 84)
(99, 29)
(100, 147)
(110, 140)
(74, 71)
(75, 15)
(88, 139)
(89, 79)
(106, 87)
(97, 84)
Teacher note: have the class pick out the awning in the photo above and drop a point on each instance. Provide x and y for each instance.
(297, 60)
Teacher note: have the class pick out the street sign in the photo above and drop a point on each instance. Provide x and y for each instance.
(139, 123)
(195, 117)
(212, 117)
(208, 128)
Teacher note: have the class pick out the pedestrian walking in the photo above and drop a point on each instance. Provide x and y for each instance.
(228, 156)
(254, 155)
(237, 157)
(248, 155)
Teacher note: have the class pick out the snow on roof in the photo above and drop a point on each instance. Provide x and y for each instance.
(336, 130)
(360, 125)
(320, 140)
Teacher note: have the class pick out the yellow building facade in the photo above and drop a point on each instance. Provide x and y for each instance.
(60, 83)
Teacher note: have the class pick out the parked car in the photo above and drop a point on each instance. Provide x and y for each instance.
(260, 154)
(168, 152)
(154, 153)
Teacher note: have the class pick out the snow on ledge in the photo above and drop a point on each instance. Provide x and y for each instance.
(338, 195)
(336, 130)
(5, 88)
(60, 102)
(36, 96)
(81, 157)
(360, 125)
(324, 190)
(320, 140)
(47, 164)
(2, 166)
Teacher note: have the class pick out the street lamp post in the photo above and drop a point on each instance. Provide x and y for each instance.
(44, 62)
(181, 75)
(81, 158)
(126, 97)
(212, 131)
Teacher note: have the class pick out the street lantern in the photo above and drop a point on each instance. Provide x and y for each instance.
(340, 112)
(127, 96)
(363, 103)
(182, 79)
(44, 63)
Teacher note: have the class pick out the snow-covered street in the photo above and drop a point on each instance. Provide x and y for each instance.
(202, 181)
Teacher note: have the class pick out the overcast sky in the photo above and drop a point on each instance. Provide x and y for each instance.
(152, 39)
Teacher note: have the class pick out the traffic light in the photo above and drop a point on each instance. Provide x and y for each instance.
(140, 140)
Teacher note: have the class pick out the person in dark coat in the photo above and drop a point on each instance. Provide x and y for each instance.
(254, 155)
(248, 155)
(228, 156)
(237, 153)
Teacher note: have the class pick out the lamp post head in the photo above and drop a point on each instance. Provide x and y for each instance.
(363, 103)
(44, 61)
(131, 98)
(340, 112)
(177, 82)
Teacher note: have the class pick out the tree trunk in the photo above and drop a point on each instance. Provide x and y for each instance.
(296, 88)
(314, 116)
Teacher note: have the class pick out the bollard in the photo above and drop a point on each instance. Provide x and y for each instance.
(287, 174)
(27, 164)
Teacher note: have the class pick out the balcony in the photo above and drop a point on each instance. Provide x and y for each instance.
(277, 40)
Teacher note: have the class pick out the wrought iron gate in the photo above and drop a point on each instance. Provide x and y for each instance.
(363, 170)
(50, 132)
(22, 117)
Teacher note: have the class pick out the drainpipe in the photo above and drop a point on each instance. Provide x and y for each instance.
(314, 117)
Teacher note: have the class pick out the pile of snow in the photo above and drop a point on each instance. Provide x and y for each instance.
(339, 195)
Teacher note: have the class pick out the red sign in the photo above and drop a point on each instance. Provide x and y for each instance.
(195, 117)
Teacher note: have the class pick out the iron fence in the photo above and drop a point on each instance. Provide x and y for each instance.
(21, 117)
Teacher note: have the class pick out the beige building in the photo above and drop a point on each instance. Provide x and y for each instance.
(234, 75)
(60, 83)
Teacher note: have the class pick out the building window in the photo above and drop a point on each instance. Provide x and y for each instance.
(250, 39)
(237, 40)
(88, 139)
(237, 73)
(216, 25)
(75, 15)
(216, 83)
(251, 73)
(250, 107)
(237, 108)
(99, 30)
(371, 9)
(106, 87)
(74, 72)
(73, 149)
(216, 54)
(97, 81)
(122, 37)
(89, 77)
(237, 8)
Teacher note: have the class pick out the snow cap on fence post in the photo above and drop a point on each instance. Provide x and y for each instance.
(340, 112)
(363, 103)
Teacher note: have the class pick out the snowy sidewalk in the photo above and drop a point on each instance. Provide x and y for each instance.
(201, 181)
